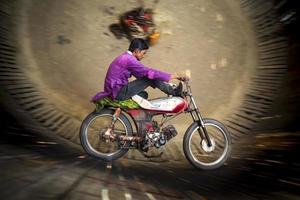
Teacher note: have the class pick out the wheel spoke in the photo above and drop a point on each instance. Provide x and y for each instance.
(97, 127)
(202, 155)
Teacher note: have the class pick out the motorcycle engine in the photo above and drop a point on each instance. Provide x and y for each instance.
(169, 131)
(159, 138)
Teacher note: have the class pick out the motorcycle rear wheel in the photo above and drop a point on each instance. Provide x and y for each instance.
(95, 125)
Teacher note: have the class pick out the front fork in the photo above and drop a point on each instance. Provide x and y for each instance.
(198, 118)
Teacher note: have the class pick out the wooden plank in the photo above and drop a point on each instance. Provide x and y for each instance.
(278, 46)
(233, 125)
(260, 96)
(257, 112)
(258, 104)
(3, 13)
(9, 78)
(254, 107)
(9, 83)
(264, 91)
(51, 120)
(36, 111)
(25, 95)
(255, 102)
(20, 87)
(34, 105)
(266, 31)
(272, 41)
(252, 118)
(4, 30)
(7, 56)
(246, 3)
(275, 52)
(7, 62)
(267, 87)
(270, 70)
(8, 42)
(242, 121)
(275, 71)
(271, 78)
(45, 119)
(9, 70)
(11, 74)
(60, 122)
(270, 82)
(233, 132)
(281, 60)
(23, 91)
(273, 57)
(273, 67)
(41, 111)
(264, 74)
(71, 133)
(4, 48)
(64, 128)
(266, 95)
(31, 101)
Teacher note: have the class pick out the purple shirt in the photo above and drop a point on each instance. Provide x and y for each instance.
(121, 69)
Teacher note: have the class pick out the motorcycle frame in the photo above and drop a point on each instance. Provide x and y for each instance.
(140, 117)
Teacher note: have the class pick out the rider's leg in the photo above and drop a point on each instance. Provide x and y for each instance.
(167, 88)
(143, 94)
(139, 85)
(133, 88)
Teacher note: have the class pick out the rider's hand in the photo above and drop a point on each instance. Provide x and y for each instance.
(182, 76)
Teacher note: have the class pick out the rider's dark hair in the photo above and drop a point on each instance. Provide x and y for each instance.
(138, 43)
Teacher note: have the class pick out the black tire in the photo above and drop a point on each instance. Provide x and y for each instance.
(84, 135)
(210, 125)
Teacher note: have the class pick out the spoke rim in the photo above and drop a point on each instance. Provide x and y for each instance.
(99, 152)
(226, 143)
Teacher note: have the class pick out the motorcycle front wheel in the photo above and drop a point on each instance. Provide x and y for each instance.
(92, 131)
(199, 153)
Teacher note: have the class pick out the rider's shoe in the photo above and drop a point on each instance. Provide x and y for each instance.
(179, 90)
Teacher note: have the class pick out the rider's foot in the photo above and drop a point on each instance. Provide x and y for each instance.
(179, 90)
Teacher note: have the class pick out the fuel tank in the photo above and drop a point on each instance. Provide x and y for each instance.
(162, 104)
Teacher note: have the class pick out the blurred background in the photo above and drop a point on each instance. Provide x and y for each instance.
(244, 59)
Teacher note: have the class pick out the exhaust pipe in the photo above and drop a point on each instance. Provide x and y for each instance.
(108, 135)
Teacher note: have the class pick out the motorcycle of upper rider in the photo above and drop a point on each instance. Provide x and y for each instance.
(109, 132)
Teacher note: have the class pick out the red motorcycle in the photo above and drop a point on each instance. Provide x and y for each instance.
(109, 133)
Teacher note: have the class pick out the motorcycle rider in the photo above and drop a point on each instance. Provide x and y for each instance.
(118, 87)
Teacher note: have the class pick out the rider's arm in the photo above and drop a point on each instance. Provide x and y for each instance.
(139, 70)
(174, 76)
